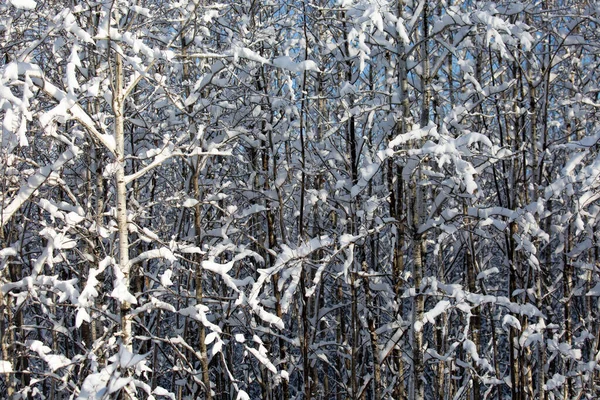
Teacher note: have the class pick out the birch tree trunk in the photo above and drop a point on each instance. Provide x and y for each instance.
(418, 387)
(124, 265)
(121, 199)
(397, 194)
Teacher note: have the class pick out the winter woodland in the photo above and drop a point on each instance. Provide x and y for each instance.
(351, 199)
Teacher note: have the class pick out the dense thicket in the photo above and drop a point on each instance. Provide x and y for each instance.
(292, 199)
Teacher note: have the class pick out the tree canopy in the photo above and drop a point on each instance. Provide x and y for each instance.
(350, 199)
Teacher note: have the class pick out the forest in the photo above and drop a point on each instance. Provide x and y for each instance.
(311, 199)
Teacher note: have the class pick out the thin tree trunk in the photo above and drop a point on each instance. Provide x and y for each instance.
(272, 242)
(397, 206)
(475, 318)
(354, 325)
(418, 389)
(124, 266)
(123, 233)
(341, 337)
(304, 302)
(372, 334)
(199, 278)
(567, 296)
(4, 337)
(418, 383)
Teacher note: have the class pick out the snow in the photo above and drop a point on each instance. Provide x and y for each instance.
(198, 312)
(8, 252)
(73, 219)
(286, 62)
(242, 395)
(268, 317)
(485, 274)
(128, 359)
(5, 367)
(247, 100)
(347, 89)
(70, 24)
(373, 15)
(254, 209)
(24, 4)
(117, 383)
(532, 339)
(349, 253)
(243, 52)
(294, 273)
(74, 62)
(510, 321)
(95, 385)
(222, 270)
(261, 356)
(160, 391)
(165, 278)
(565, 349)
(188, 203)
(471, 349)
(239, 338)
(152, 305)
(188, 249)
(436, 311)
(150, 235)
(54, 361)
(34, 182)
(217, 347)
(160, 156)
(555, 382)
(367, 172)
(573, 162)
(163, 252)
(414, 134)
(308, 65)
(141, 10)
(34, 73)
(121, 290)
(418, 326)
(288, 257)
(595, 291)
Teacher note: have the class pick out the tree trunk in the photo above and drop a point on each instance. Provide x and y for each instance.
(124, 266)
(418, 238)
